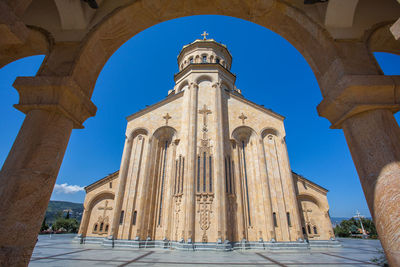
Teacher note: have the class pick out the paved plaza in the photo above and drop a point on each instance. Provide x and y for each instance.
(59, 250)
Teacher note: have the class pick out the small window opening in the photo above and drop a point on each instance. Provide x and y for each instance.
(217, 60)
(204, 59)
(110, 184)
(309, 229)
(121, 218)
(304, 230)
(101, 227)
(191, 61)
(134, 217)
(288, 219)
(275, 221)
(95, 227)
(315, 230)
(106, 230)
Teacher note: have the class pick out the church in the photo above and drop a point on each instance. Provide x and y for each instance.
(205, 168)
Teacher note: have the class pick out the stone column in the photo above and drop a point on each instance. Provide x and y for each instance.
(84, 222)
(141, 230)
(241, 228)
(169, 191)
(219, 171)
(270, 231)
(190, 168)
(53, 107)
(374, 141)
(119, 197)
(295, 216)
(363, 107)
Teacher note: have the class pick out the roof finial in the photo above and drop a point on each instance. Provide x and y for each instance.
(204, 34)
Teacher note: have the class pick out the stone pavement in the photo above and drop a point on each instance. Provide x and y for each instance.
(58, 250)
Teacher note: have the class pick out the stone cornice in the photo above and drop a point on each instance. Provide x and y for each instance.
(169, 98)
(60, 94)
(102, 181)
(310, 183)
(354, 94)
(263, 109)
(198, 66)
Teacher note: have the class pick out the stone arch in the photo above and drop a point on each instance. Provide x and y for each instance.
(85, 224)
(243, 133)
(247, 164)
(380, 39)
(182, 85)
(309, 197)
(39, 42)
(313, 217)
(269, 131)
(136, 131)
(310, 38)
(162, 156)
(204, 78)
(165, 133)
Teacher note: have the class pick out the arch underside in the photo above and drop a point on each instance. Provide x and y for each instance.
(309, 37)
(99, 214)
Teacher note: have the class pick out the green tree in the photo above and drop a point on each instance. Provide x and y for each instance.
(44, 226)
(67, 216)
(70, 225)
(351, 226)
(354, 229)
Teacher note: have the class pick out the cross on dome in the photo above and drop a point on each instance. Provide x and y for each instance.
(204, 34)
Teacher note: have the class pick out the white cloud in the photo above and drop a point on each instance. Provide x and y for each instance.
(67, 189)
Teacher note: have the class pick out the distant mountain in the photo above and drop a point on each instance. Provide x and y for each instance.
(57, 208)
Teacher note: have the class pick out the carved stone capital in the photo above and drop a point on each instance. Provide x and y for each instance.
(359, 93)
(59, 94)
(216, 85)
(193, 85)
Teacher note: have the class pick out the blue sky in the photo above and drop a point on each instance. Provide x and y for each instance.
(270, 71)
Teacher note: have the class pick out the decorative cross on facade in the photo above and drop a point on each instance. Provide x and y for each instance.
(204, 34)
(105, 208)
(307, 211)
(242, 117)
(205, 112)
(166, 118)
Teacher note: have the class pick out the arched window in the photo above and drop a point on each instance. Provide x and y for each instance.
(106, 230)
(274, 218)
(309, 229)
(217, 60)
(304, 230)
(101, 227)
(95, 228)
(191, 60)
(315, 230)
(204, 59)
